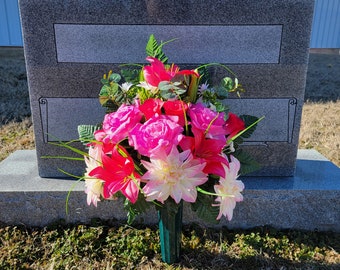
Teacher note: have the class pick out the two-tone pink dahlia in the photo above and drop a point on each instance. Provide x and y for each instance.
(175, 174)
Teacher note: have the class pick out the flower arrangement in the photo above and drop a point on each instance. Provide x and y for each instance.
(167, 137)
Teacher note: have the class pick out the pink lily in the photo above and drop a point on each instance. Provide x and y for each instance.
(157, 72)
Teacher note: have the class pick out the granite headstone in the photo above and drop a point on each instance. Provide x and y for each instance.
(69, 45)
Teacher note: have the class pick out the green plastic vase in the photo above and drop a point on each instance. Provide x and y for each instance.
(170, 230)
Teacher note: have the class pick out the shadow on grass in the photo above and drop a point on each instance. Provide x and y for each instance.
(323, 80)
(259, 248)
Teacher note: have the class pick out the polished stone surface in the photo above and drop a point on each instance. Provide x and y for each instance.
(90, 48)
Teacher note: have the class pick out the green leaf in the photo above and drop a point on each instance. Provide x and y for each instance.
(144, 94)
(249, 120)
(220, 107)
(155, 50)
(67, 145)
(248, 163)
(105, 90)
(111, 96)
(205, 75)
(221, 92)
(204, 209)
(166, 94)
(250, 124)
(110, 106)
(104, 81)
(115, 77)
(165, 86)
(86, 133)
(151, 46)
(228, 83)
(131, 75)
(169, 90)
(139, 207)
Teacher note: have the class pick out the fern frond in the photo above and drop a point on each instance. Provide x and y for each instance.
(155, 50)
(86, 133)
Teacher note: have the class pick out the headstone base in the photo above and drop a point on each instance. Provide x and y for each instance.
(310, 200)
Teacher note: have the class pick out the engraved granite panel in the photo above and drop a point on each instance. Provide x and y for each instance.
(55, 115)
(89, 48)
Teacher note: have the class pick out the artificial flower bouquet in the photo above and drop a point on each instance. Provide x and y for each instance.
(167, 137)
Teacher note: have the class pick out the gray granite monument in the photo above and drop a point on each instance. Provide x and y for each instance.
(69, 45)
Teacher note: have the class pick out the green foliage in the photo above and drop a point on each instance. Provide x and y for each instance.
(131, 75)
(204, 209)
(110, 95)
(144, 94)
(134, 209)
(86, 133)
(205, 75)
(155, 50)
(228, 83)
(221, 107)
(115, 77)
(221, 93)
(248, 163)
(170, 90)
(193, 88)
(248, 121)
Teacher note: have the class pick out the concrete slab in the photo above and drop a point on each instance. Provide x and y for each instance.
(310, 200)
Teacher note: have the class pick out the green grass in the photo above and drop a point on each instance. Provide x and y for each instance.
(105, 245)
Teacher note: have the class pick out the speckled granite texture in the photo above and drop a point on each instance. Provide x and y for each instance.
(275, 69)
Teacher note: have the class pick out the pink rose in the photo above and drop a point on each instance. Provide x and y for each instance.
(158, 133)
(151, 107)
(116, 125)
(205, 119)
(176, 107)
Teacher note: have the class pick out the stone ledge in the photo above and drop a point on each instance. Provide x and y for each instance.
(310, 200)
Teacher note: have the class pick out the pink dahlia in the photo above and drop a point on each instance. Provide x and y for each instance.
(175, 174)
(229, 189)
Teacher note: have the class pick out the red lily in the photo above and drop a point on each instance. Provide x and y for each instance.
(157, 72)
(210, 150)
(233, 125)
(118, 172)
